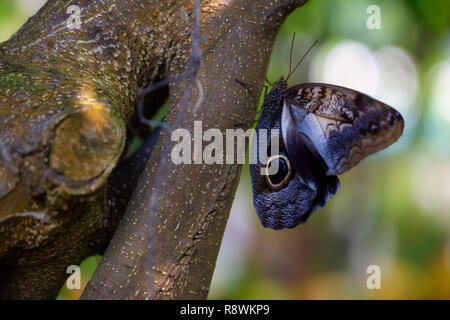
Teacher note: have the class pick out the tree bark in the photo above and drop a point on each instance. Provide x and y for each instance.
(167, 243)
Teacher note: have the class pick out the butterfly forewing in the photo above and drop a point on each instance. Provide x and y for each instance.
(344, 125)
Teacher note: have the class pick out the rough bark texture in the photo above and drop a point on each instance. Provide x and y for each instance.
(69, 82)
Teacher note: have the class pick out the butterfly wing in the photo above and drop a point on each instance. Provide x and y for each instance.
(339, 126)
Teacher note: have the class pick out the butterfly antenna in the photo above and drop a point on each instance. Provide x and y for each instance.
(290, 55)
(291, 73)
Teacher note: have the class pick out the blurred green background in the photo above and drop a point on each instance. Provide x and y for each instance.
(393, 209)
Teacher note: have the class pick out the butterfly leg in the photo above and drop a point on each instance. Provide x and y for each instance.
(245, 121)
(246, 85)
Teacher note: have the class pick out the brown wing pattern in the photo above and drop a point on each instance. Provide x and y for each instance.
(345, 125)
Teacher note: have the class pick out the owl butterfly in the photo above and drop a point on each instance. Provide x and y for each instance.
(325, 130)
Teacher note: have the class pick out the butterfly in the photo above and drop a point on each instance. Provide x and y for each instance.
(323, 131)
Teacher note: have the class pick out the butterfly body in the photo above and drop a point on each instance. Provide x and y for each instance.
(324, 131)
